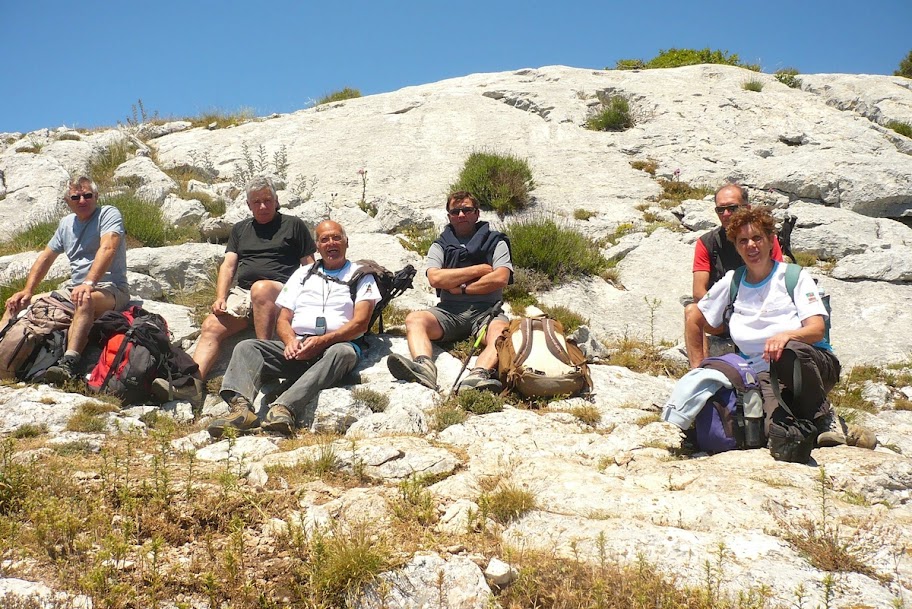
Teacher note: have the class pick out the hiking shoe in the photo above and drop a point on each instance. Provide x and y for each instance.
(832, 430)
(482, 379)
(859, 436)
(162, 391)
(280, 420)
(404, 369)
(63, 371)
(241, 418)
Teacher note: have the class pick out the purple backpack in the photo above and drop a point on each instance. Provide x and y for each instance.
(731, 418)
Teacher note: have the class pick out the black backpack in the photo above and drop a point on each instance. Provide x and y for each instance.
(390, 284)
(137, 350)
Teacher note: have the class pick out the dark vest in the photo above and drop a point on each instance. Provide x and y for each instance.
(723, 256)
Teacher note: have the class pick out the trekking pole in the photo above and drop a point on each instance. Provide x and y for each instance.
(493, 312)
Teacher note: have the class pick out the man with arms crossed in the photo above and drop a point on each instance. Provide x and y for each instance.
(470, 265)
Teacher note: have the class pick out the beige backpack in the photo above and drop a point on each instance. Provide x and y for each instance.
(23, 336)
(536, 359)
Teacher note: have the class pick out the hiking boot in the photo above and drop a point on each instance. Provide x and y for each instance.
(856, 435)
(194, 392)
(404, 369)
(241, 418)
(280, 420)
(482, 379)
(832, 430)
(63, 371)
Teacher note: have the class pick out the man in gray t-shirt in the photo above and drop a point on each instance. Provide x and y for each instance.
(470, 265)
(92, 238)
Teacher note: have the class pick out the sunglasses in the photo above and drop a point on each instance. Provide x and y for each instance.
(727, 208)
(88, 196)
(461, 210)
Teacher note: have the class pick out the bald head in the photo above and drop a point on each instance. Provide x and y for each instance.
(728, 199)
(332, 243)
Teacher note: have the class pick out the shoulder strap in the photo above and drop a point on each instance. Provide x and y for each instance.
(525, 346)
(554, 345)
(792, 271)
(736, 284)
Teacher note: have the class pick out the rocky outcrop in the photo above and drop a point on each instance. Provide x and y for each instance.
(607, 476)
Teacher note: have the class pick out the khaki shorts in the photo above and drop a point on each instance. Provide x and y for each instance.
(121, 296)
(238, 303)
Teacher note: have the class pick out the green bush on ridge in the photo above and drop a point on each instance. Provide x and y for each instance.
(499, 182)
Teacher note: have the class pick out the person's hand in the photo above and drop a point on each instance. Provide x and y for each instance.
(772, 351)
(311, 347)
(293, 348)
(18, 301)
(219, 306)
(81, 294)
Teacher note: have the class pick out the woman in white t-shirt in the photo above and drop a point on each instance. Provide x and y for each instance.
(772, 328)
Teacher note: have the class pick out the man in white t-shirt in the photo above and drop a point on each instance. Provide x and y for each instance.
(317, 326)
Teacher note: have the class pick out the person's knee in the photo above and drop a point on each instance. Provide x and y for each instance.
(343, 355)
(693, 316)
(417, 321)
(213, 328)
(264, 292)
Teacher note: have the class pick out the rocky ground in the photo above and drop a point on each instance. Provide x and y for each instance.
(596, 480)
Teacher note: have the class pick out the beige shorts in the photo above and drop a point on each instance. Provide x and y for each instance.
(238, 303)
(121, 296)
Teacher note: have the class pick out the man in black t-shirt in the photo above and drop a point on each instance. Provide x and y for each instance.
(262, 252)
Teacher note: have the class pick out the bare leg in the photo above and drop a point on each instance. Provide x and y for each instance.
(421, 327)
(694, 323)
(488, 357)
(83, 318)
(263, 295)
(216, 328)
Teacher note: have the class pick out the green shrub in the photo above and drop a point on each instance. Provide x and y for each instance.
(101, 168)
(508, 502)
(614, 115)
(16, 480)
(34, 237)
(479, 402)
(905, 67)
(556, 251)
(583, 214)
(335, 96)
(901, 128)
(526, 283)
(499, 182)
(674, 58)
(447, 414)
(219, 119)
(805, 258)
(754, 84)
(788, 77)
(145, 224)
(371, 398)
(417, 238)
(649, 166)
(679, 191)
(629, 64)
(570, 320)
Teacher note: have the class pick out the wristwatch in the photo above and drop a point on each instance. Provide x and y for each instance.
(463, 288)
(89, 283)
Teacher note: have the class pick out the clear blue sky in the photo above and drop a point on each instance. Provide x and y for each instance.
(84, 63)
